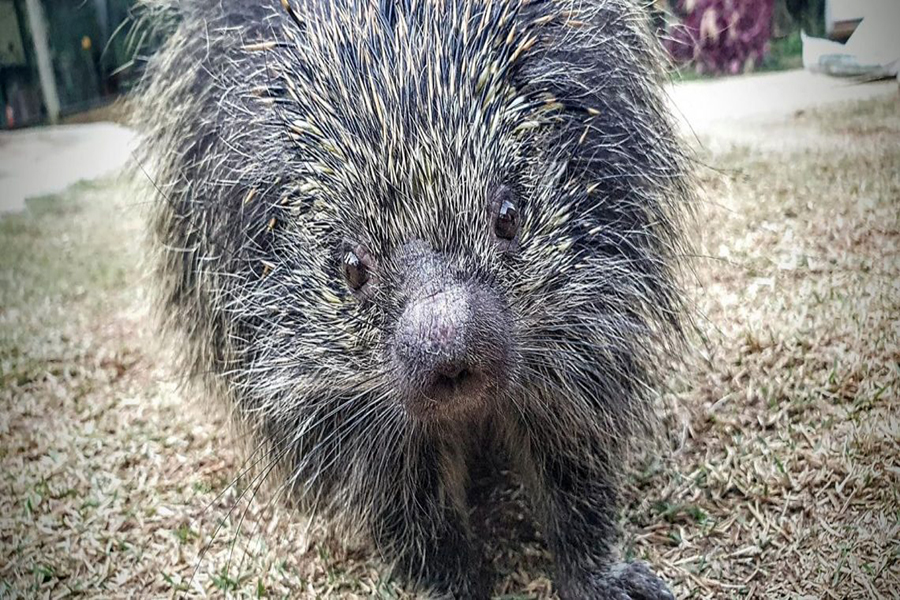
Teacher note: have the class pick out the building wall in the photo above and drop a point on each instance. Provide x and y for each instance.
(87, 49)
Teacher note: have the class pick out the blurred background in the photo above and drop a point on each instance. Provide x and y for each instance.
(61, 58)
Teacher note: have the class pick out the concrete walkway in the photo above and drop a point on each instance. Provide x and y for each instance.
(47, 160)
(738, 105)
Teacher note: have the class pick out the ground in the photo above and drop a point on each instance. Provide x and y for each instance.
(779, 476)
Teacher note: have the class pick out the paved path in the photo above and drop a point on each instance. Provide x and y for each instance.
(739, 104)
(47, 160)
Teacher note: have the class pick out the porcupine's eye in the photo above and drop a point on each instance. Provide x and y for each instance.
(507, 221)
(506, 217)
(355, 271)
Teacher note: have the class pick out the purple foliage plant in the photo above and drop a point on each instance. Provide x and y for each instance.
(721, 36)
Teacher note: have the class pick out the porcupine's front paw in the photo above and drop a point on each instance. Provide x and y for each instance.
(473, 587)
(621, 581)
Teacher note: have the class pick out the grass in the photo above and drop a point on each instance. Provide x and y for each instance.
(778, 478)
(784, 53)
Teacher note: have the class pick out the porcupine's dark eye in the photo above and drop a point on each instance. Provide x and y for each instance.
(506, 216)
(507, 221)
(355, 271)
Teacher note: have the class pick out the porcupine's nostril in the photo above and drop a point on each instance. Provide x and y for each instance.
(451, 375)
(451, 370)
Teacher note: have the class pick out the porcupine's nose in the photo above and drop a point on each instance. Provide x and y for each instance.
(432, 343)
(450, 346)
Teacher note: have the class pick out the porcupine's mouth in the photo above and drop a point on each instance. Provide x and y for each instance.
(451, 396)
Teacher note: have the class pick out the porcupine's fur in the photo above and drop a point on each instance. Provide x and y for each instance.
(280, 131)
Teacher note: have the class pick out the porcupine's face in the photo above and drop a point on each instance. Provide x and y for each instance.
(449, 252)
(445, 339)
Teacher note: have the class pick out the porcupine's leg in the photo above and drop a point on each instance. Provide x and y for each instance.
(577, 497)
(422, 528)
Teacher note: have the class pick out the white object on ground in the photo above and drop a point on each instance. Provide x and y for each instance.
(47, 160)
(873, 50)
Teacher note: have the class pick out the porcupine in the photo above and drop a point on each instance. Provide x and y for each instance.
(394, 233)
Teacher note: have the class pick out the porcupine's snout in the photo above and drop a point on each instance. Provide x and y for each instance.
(450, 348)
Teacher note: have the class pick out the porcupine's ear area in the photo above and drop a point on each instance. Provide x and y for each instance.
(606, 180)
(609, 158)
(208, 200)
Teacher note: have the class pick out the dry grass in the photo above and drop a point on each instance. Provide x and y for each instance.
(782, 479)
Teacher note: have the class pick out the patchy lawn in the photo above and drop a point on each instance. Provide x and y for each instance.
(780, 476)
